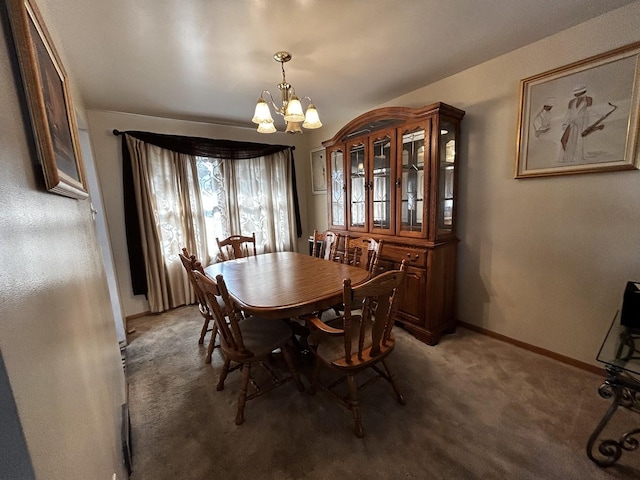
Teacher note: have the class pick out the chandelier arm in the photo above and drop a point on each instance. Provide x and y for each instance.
(272, 102)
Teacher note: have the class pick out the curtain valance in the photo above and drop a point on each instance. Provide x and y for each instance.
(207, 147)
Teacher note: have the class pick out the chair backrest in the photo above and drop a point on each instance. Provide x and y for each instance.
(378, 301)
(353, 251)
(322, 243)
(362, 252)
(190, 263)
(336, 252)
(237, 246)
(357, 251)
(375, 252)
(231, 340)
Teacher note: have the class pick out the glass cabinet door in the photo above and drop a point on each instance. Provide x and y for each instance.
(337, 185)
(381, 186)
(447, 176)
(357, 187)
(413, 159)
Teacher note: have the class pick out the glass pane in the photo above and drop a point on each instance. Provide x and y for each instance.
(447, 177)
(413, 153)
(358, 205)
(620, 346)
(381, 193)
(337, 188)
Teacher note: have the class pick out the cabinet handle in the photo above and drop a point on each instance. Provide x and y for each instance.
(414, 259)
(398, 183)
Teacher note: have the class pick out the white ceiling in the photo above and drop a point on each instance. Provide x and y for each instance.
(208, 60)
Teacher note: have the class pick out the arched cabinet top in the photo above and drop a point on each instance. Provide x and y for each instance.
(388, 117)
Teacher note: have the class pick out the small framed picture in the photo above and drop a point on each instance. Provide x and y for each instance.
(581, 118)
(318, 171)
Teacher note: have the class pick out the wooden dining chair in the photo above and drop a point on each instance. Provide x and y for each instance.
(373, 257)
(334, 251)
(237, 246)
(371, 253)
(247, 342)
(337, 248)
(190, 263)
(350, 250)
(363, 342)
(356, 251)
(322, 243)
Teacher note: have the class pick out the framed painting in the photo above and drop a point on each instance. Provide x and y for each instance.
(581, 118)
(318, 171)
(49, 101)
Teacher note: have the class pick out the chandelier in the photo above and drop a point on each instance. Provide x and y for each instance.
(291, 108)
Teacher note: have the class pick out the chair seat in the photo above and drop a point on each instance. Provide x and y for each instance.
(330, 348)
(262, 336)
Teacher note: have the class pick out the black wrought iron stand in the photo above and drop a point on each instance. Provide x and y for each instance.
(624, 391)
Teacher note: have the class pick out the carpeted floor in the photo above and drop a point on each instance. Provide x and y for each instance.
(477, 408)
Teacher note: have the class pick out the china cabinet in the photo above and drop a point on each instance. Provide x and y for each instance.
(392, 175)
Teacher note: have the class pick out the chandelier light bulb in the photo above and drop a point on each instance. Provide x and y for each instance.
(266, 127)
(262, 113)
(312, 119)
(294, 110)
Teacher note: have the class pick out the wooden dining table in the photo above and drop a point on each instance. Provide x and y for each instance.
(285, 284)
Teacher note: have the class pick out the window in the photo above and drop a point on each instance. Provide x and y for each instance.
(248, 196)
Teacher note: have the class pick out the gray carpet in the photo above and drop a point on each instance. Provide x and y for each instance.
(477, 408)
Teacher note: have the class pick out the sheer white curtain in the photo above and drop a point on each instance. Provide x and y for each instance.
(170, 213)
(242, 197)
(187, 201)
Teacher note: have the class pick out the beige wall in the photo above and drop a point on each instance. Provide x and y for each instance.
(108, 157)
(541, 260)
(57, 335)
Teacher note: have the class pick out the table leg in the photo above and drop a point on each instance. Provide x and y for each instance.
(623, 392)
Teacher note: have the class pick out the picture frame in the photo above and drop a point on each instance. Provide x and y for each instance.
(49, 101)
(581, 118)
(318, 171)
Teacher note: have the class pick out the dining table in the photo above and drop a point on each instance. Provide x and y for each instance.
(285, 284)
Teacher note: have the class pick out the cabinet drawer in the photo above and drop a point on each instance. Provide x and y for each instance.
(416, 257)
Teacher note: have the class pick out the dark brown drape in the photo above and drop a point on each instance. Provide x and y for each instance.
(203, 147)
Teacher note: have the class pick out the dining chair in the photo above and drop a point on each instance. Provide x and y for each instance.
(364, 340)
(322, 243)
(190, 263)
(359, 252)
(349, 250)
(352, 251)
(237, 246)
(247, 341)
(373, 259)
(337, 248)
(333, 251)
